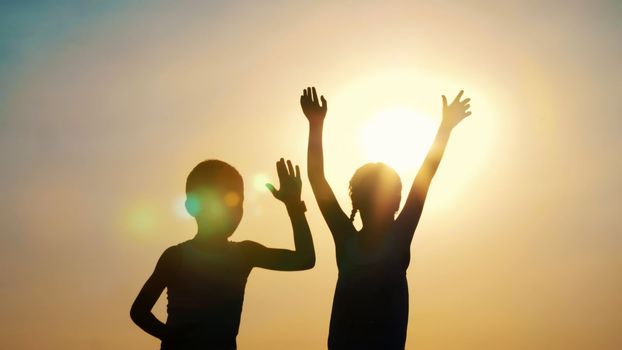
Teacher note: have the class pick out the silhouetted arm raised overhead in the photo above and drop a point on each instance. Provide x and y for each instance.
(337, 220)
(303, 257)
(411, 213)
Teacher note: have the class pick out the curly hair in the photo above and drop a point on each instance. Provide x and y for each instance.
(370, 178)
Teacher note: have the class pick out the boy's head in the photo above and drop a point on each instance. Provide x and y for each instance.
(375, 191)
(214, 197)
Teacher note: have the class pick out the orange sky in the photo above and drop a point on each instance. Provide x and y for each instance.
(105, 109)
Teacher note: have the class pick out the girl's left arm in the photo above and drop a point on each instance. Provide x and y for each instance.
(408, 219)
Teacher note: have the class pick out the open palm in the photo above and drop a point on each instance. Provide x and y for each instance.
(311, 105)
(290, 183)
(455, 112)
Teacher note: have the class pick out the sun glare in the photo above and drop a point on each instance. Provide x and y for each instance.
(399, 137)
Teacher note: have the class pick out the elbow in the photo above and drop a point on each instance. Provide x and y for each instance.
(315, 174)
(318, 183)
(136, 313)
(308, 262)
(302, 261)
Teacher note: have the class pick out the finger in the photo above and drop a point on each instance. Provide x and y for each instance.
(444, 101)
(324, 104)
(309, 93)
(272, 189)
(458, 96)
(467, 114)
(297, 172)
(467, 106)
(314, 95)
(466, 101)
(290, 168)
(280, 169)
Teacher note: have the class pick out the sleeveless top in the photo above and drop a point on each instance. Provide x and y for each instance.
(205, 297)
(370, 306)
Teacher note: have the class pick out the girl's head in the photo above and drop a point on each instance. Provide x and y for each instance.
(214, 196)
(375, 191)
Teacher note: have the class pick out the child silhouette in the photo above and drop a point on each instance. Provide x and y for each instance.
(370, 305)
(205, 277)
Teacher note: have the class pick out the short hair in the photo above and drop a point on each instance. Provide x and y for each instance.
(214, 174)
(367, 179)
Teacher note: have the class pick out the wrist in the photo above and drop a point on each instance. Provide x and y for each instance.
(316, 123)
(446, 126)
(296, 205)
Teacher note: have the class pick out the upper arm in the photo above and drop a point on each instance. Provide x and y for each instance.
(259, 255)
(409, 217)
(338, 222)
(155, 284)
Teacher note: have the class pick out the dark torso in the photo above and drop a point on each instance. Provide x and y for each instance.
(205, 297)
(370, 306)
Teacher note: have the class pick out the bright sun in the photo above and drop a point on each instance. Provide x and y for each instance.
(399, 137)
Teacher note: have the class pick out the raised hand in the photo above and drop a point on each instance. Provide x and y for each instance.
(290, 183)
(456, 111)
(311, 105)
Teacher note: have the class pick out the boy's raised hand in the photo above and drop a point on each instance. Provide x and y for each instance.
(311, 105)
(456, 111)
(290, 183)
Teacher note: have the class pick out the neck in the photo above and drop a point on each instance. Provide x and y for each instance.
(376, 227)
(376, 222)
(208, 238)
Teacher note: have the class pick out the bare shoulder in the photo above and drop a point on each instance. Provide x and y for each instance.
(170, 258)
(175, 250)
(250, 247)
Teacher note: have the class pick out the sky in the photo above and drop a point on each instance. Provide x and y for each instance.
(105, 107)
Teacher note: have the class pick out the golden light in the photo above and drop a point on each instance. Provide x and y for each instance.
(232, 199)
(179, 207)
(399, 137)
(140, 218)
(394, 113)
(259, 182)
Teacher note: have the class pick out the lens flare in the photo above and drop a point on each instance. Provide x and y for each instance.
(214, 207)
(141, 218)
(179, 207)
(192, 205)
(232, 199)
(259, 182)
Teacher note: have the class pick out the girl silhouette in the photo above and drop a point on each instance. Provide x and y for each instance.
(370, 305)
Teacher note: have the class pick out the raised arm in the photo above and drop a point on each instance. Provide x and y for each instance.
(411, 213)
(303, 257)
(337, 220)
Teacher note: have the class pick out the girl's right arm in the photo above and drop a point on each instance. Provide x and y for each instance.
(337, 220)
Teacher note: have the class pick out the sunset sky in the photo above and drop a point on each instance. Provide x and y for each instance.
(105, 108)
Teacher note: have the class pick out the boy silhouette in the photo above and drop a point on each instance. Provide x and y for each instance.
(205, 277)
